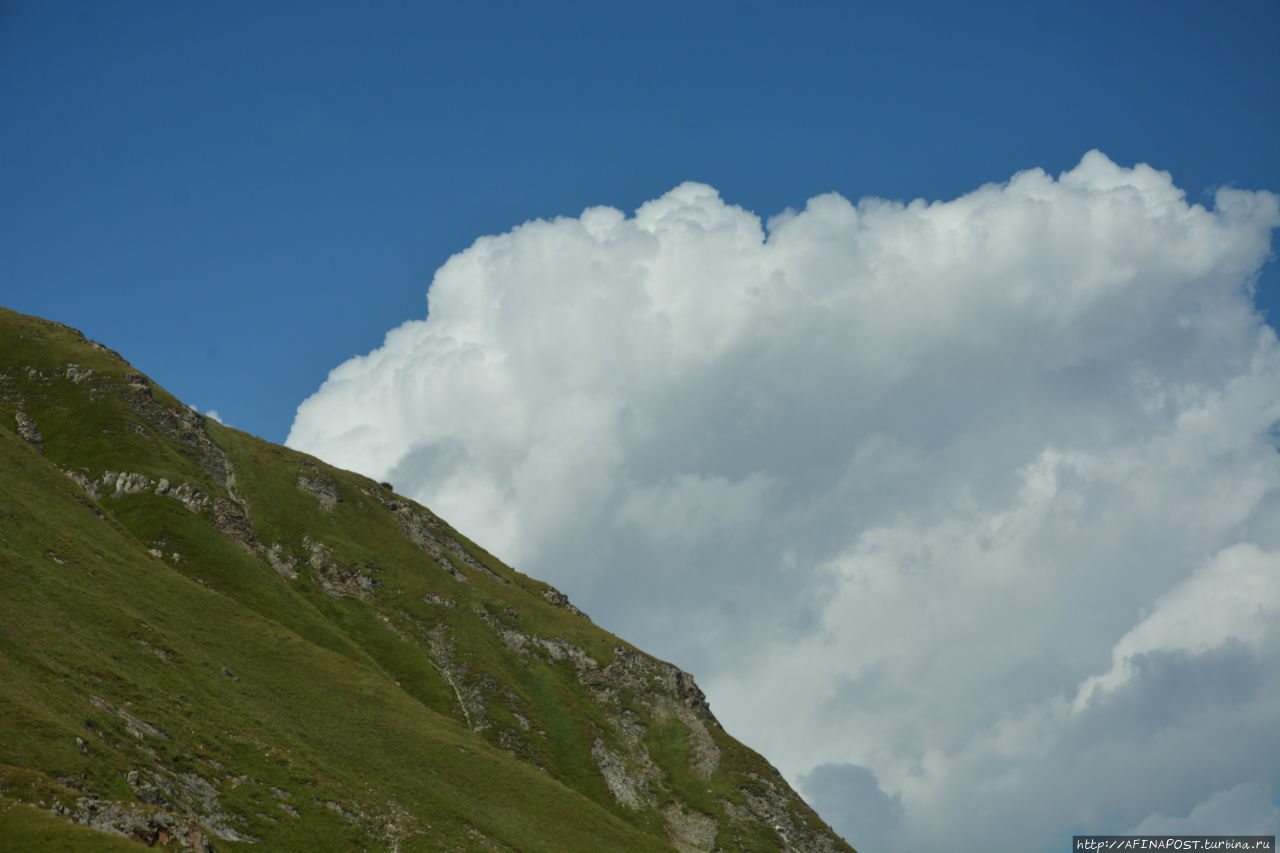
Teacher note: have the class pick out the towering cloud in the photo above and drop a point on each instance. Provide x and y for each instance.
(972, 507)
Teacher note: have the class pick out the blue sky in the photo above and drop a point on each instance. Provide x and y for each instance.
(240, 196)
(953, 509)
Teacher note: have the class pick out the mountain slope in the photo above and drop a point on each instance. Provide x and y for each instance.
(212, 642)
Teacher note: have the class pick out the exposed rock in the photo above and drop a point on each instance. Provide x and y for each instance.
(90, 488)
(136, 727)
(704, 754)
(188, 793)
(141, 823)
(645, 675)
(74, 373)
(775, 803)
(131, 483)
(286, 565)
(434, 598)
(186, 426)
(126, 483)
(514, 640)
(418, 526)
(557, 598)
(231, 520)
(144, 790)
(28, 431)
(163, 654)
(561, 649)
(335, 578)
(628, 783)
(319, 483)
(391, 822)
(455, 548)
(665, 691)
(689, 831)
(425, 529)
(440, 650)
(191, 497)
(139, 385)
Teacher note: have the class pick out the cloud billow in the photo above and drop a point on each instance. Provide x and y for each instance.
(919, 489)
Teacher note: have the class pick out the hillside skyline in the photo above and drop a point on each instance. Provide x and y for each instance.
(216, 643)
(907, 372)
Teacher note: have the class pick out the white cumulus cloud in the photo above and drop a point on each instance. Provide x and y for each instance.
(969, 496)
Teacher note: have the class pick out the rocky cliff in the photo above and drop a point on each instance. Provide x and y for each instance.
(214, 643)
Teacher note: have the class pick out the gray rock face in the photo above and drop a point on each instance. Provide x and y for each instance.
(557, 598)
(770, 802)
(636, 693)
(80, 479)
(286, 565)
(629, 780)
(139, 385)
(336, 578)
(28, 430)
(140, 729)
(126, 483)
(424, 529)
(191, 497)
(144, 824)
(690, 831)
(230, 518)
(75, 373)
(319, 483)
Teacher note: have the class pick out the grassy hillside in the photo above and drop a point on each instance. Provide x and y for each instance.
(212, 642)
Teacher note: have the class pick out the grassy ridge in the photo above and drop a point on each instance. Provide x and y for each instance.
(281, 655)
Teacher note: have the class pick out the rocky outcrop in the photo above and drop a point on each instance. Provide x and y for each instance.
(74, 372)
(190, 497)
(80, 479)
(690, 831)
(187, 427)
(772, 801)
(227, 515)
(285, 564)
(187, 793)
(122, 483)
(471, 701)
(425, 529)
(629, 778)
(28, 431)
(556, 598)
(140, 729)
(666, 695)
(146, 825)
(230, 518)
(319, 483)
(127, 484)
(171, 807)
(335, 578)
